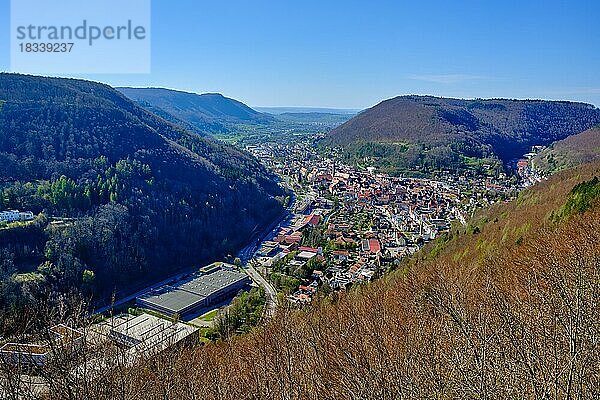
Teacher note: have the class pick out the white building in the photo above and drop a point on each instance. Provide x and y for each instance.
(147, 334)
(64, 339)
(15, 215)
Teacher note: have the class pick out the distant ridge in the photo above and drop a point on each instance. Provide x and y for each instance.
(209, 112)
(307, 110)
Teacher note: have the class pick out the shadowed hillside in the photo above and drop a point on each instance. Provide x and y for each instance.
(136, 198)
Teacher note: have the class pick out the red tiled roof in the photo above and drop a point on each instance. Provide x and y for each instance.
(292, 239)
(312, 219)
(307, 288)
(374, 245)
(279, 239)
(309, 249)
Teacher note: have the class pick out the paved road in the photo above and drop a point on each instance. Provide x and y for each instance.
(247, 253)
(270, 291)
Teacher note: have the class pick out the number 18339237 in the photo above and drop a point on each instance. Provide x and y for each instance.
(34, 47)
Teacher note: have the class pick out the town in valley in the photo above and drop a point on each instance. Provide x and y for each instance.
(344, 225)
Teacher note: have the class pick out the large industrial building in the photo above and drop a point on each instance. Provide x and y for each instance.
(212, 284)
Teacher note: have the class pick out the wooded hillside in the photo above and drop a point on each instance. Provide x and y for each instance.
(432, 133)
(133, 197)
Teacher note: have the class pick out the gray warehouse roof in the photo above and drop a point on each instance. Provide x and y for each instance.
(206, 285)
(172, 298)
(191, 292)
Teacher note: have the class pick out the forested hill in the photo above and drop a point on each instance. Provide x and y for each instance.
(210, 112)
(147, 196)
(439, 132)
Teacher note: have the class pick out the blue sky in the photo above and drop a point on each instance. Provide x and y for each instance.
(353, 54)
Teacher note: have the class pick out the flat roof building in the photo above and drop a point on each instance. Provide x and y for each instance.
(305, 255)
(63, 338)
(199, 290)
(148, 334)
